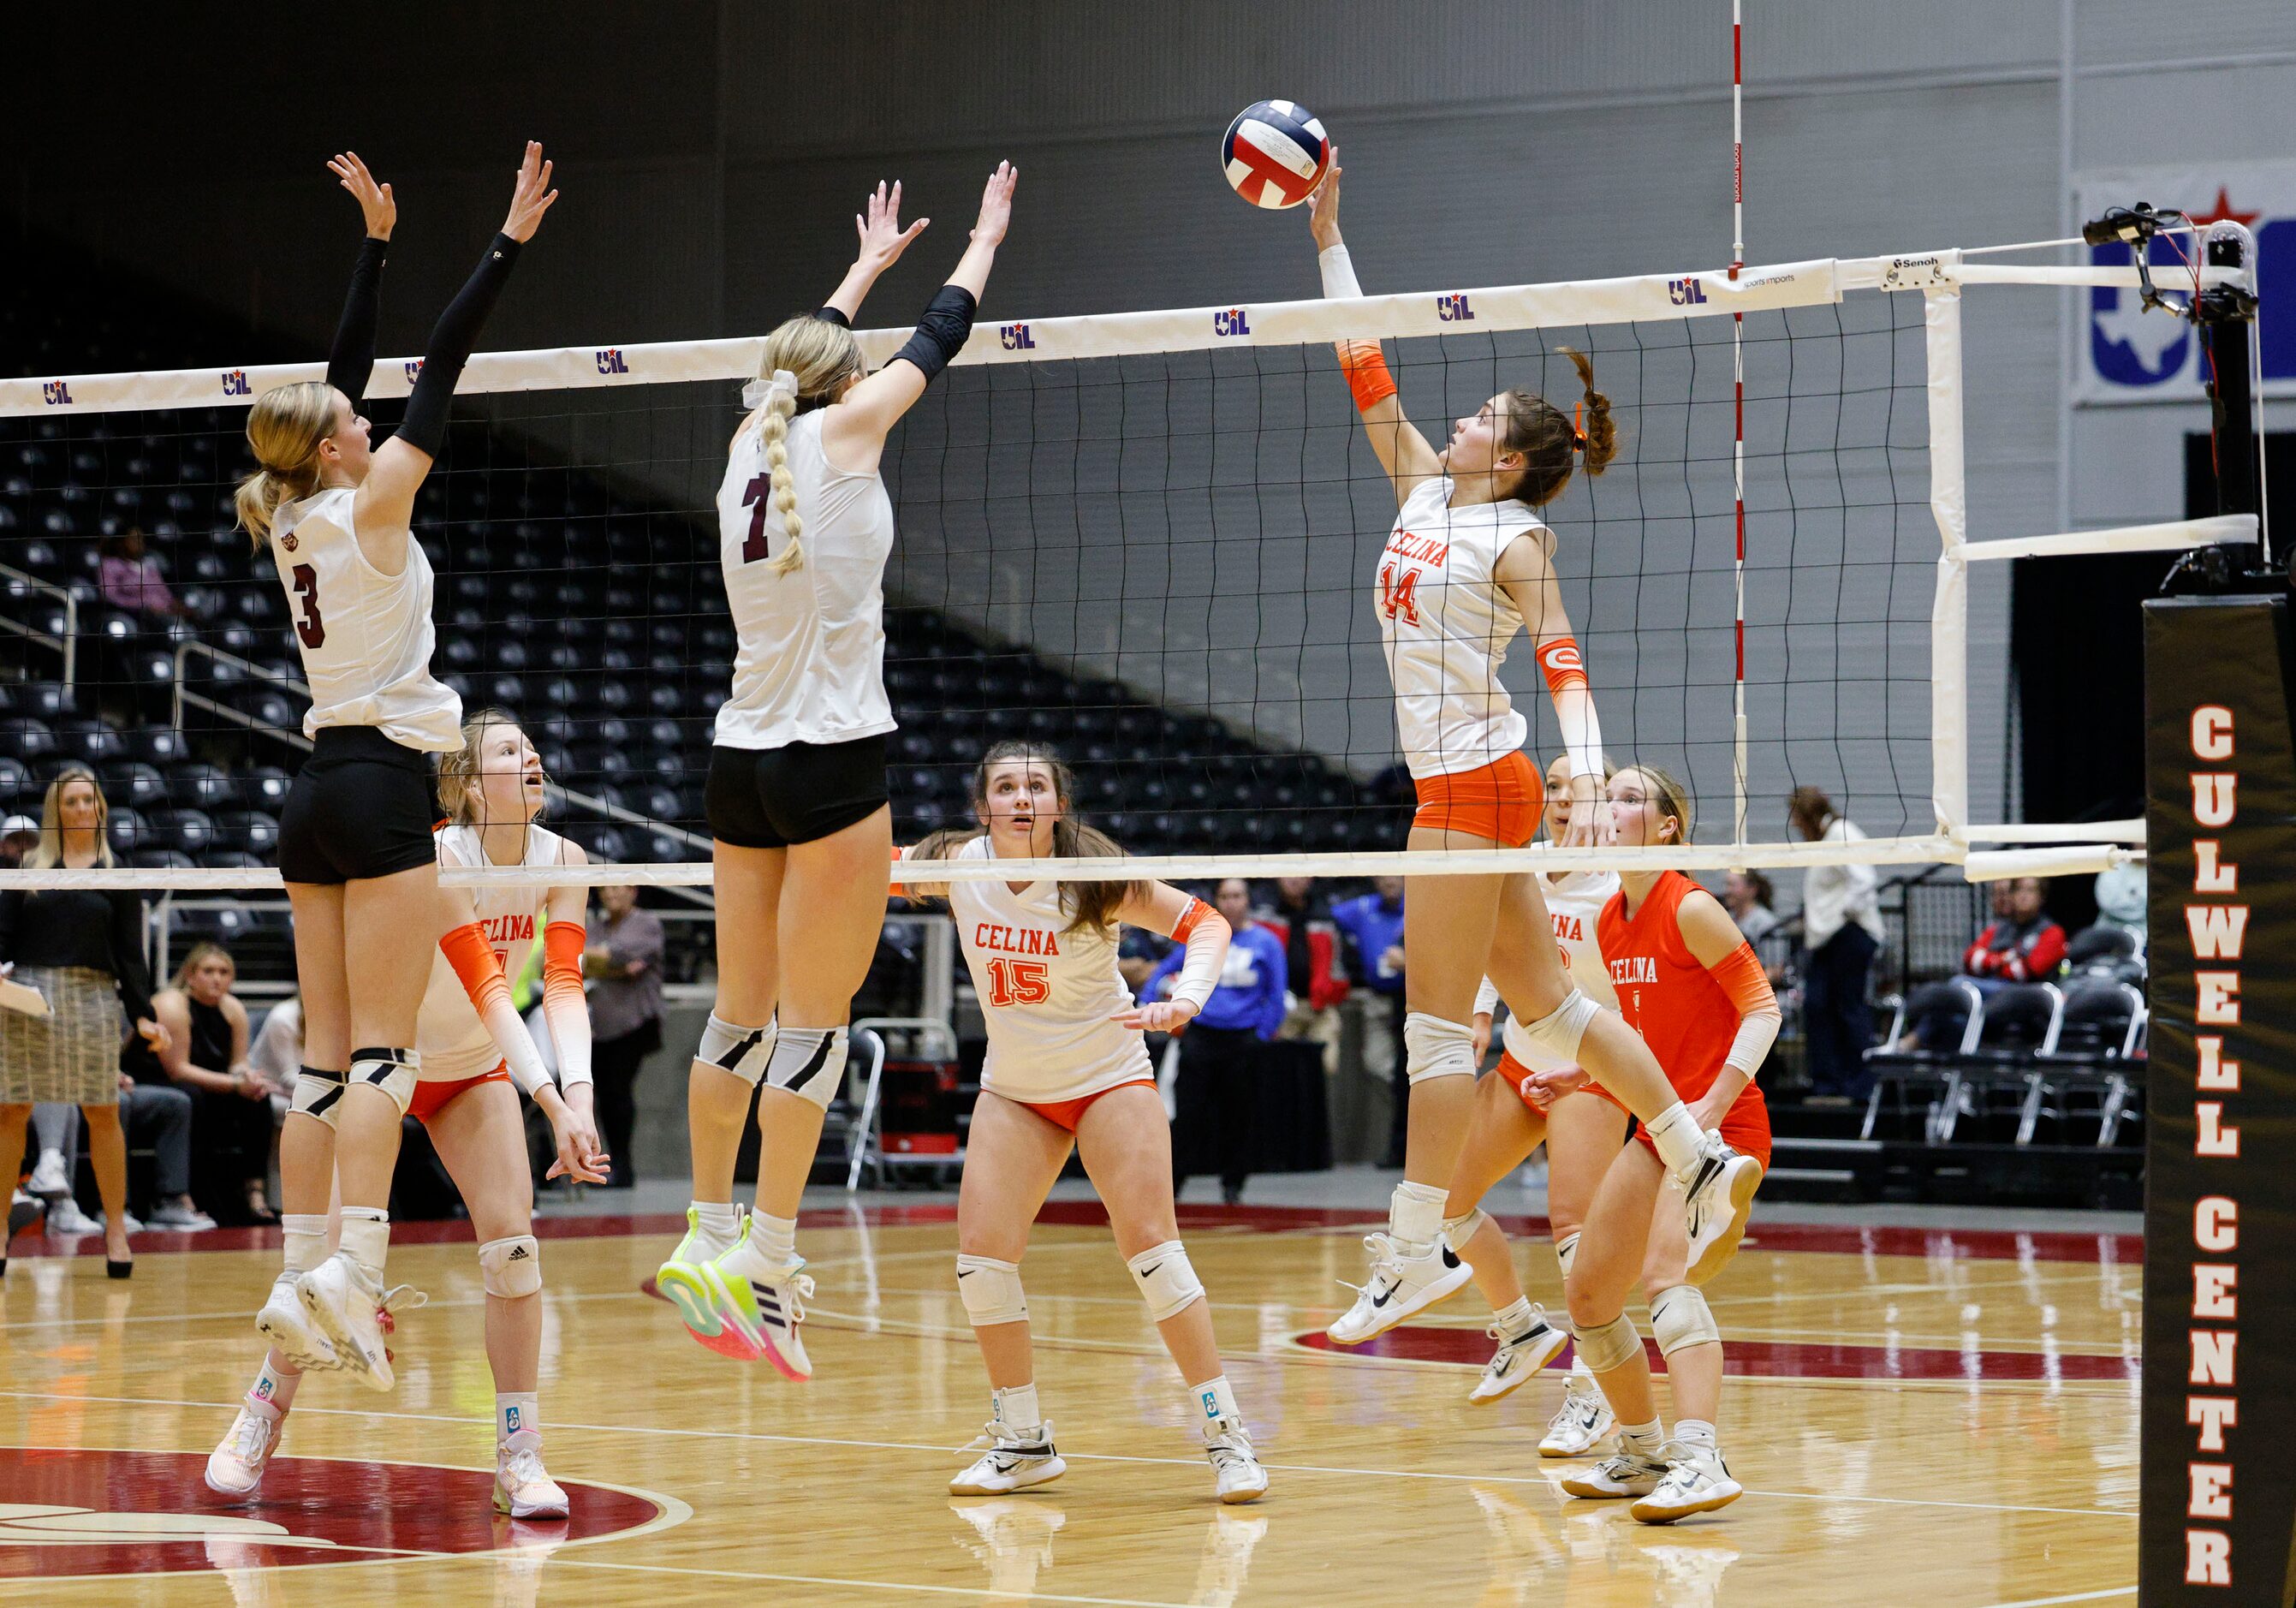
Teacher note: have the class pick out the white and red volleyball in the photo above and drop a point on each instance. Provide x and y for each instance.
(1275, 153)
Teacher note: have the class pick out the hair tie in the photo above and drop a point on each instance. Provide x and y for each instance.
(761, 391)
(1578, 435)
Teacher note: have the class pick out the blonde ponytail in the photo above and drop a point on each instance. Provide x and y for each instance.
(284, 430)
(806, 359)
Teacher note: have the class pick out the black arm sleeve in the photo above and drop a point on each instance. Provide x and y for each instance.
(836, 315)
(451, 339)
(941, 332)
(350, 361)
(133, 977)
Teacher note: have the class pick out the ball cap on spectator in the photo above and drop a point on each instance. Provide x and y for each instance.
(14, 825)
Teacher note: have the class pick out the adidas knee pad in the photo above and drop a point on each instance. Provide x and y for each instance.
(990, 1291)
(1167, 1281)
(511, 1268)
(1433, 1047)
(809, 1062)
(394, 1071)
(1681, 1317)
(1559, 1030)
(1611, 1345)
(741, 1051)
(1566, 1252)
(317, 1094)
(1458, 1231)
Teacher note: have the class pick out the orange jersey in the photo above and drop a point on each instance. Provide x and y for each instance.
(1685, 1017)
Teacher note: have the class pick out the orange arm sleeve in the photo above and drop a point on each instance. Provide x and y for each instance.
(1366, 368)
(563, 1004)
(473, 959)
(1740, 973)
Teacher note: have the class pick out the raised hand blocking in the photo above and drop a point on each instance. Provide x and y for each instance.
(376, 203)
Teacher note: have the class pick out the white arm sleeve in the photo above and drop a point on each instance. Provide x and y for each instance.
(1339, 275)
(1582, 732)
(1207, 950)
(509, 1033)
(1487, 998)
(1756, 1033)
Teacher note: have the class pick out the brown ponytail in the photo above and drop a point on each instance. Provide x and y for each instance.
(1086, 904)
(1551, 444)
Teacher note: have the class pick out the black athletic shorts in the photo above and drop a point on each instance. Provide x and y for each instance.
(361, 808)
(770, 798)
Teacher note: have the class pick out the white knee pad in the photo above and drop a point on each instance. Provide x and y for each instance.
(990, 1291)
(317, 1094)
(511, 1268)
(1458, 1231)
(809, 1062)
(1681, 1317)
(1609, 1345)
(1560, 1030)
(393, 1071)
(1566, 1252)
(1433, 1047)
(1168, 1283)
(741, 1051)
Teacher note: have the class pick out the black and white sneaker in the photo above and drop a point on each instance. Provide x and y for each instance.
(1014, 1460)
(1718, 1197)
(1520, 1356)
(1400, 1286)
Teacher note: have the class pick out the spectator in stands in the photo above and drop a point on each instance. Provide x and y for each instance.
(130, 580)
(2121, 901)
(1748, 896)
(1373, 924)
(1842, 930)
(1219, 1051)
(1313, 980)
(207, 1058)
(84, 951)
(2020, 944)
(18, 833)
(622, 959)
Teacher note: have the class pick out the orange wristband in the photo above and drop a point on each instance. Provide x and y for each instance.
(1365, 367)
(1565, 665)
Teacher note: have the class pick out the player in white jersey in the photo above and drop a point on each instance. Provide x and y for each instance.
(354, 838)
(796, 794)
(1468, 564)
(477, 1056)
(1067, 1068)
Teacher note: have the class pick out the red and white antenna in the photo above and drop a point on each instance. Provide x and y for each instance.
(1738, 376)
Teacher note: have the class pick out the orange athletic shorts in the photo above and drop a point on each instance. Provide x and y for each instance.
(1068, 1113)
(1500, 800)
(431, 1094)
(1745, 1126)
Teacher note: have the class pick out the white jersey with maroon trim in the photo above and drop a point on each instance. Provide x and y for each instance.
(1445, 625)
(1048, 994)
(453, 1041)
(366, 637)
(1575, 902)
(810, 667)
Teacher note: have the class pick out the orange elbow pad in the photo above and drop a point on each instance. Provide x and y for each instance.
(1365, 367)
(562, 956)
(1740, 973)
(1565, 665)
(473, 959)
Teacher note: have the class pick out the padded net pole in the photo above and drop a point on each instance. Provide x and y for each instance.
(1738, 379)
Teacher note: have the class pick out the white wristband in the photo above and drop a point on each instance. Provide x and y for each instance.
(1339, 275)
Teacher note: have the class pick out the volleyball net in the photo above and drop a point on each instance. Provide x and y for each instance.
(1145, 541)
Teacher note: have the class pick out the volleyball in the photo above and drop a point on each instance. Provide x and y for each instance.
(1275, 153)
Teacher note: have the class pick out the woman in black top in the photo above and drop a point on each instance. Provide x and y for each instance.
(83, 949)
(208, 1060)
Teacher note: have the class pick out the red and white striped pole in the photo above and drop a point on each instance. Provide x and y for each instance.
(1738, 376)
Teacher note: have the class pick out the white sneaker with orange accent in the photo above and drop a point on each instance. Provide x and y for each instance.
(523, 1488)
(236, 1467)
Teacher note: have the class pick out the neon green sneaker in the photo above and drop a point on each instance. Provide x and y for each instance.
(684, 1282)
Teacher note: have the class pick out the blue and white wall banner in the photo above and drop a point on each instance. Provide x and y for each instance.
(2124, 354)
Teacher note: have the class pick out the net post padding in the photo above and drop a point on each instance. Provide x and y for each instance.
(1950, 611)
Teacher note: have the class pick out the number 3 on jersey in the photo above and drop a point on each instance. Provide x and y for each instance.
(1019, 982)
(309, 625)
(1398, 597)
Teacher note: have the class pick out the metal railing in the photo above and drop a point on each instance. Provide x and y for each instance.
(67, 644)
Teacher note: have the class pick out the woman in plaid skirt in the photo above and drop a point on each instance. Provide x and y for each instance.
(83, 949)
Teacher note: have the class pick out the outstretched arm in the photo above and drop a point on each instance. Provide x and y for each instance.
(1202, 931)
(853, 432)
(1401, 450)
(882, 241)
(350, 361)
(386, 498)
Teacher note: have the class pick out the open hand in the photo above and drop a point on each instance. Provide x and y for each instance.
(533, 196)
(883, 238)
(1157, 1016)
(375, 201)
(996, 205)
(1324, 216)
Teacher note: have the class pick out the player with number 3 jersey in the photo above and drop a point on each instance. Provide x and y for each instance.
(1067, 1067)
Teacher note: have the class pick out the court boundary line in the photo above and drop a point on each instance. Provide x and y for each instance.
(2078, 1596)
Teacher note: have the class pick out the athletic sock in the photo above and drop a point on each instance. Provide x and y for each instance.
(274, 1389)
(517, 1412)
(366, 1238)
(1514, 1319)
(1645, 1439)
(719, 1222)
(1016, 1407)
(1697, 1433)
(306, 1237)
(1414, 1217)
(774, 1238)
(1676, 1134)
(1214, 1400)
